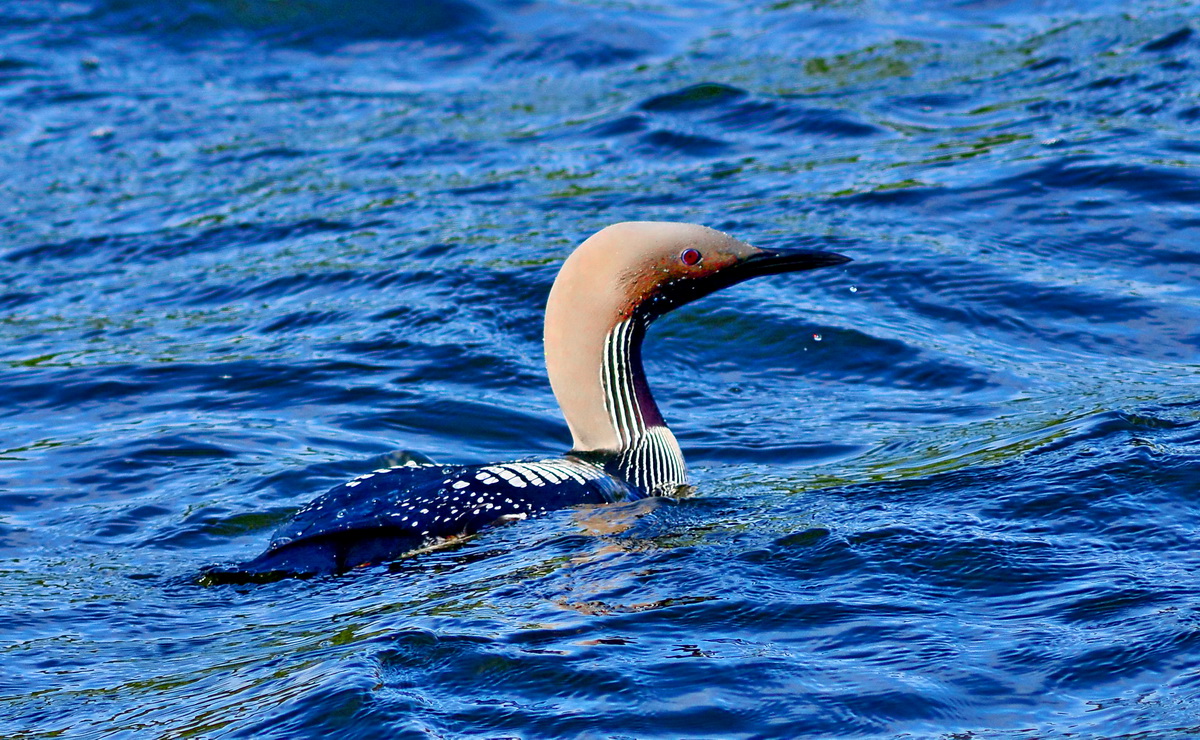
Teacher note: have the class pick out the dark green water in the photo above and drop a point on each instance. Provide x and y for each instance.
(250, 249)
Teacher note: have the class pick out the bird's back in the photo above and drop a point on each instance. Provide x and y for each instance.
(389, 512)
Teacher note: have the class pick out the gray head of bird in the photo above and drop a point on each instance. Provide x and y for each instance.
(619, 280)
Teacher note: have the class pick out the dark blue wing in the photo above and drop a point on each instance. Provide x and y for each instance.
(382, 515)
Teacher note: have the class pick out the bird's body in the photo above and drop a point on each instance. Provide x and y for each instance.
(606, 294)
(388, 512)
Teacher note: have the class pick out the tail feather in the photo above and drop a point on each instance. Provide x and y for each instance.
(329, 555)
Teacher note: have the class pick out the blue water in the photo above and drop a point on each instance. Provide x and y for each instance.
(251, 249)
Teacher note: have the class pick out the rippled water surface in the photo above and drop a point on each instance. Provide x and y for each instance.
(251, 249)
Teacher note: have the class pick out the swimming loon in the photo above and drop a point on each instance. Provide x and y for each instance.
(606, 294)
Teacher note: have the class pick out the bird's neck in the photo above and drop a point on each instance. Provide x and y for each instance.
(648, 456)
(627, 398)
(595, 368)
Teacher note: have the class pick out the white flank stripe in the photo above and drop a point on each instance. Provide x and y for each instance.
(577, 472)
(548, 472)
(526, 472)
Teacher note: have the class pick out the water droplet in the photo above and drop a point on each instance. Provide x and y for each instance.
(341, 514)
(853, 288)
(816, 337)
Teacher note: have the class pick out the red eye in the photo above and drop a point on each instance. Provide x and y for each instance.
(690, 257)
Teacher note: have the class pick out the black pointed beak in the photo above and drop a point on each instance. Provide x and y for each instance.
(775, 261)
(763, 262)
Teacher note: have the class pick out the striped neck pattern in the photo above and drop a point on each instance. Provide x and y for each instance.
(649, 456)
